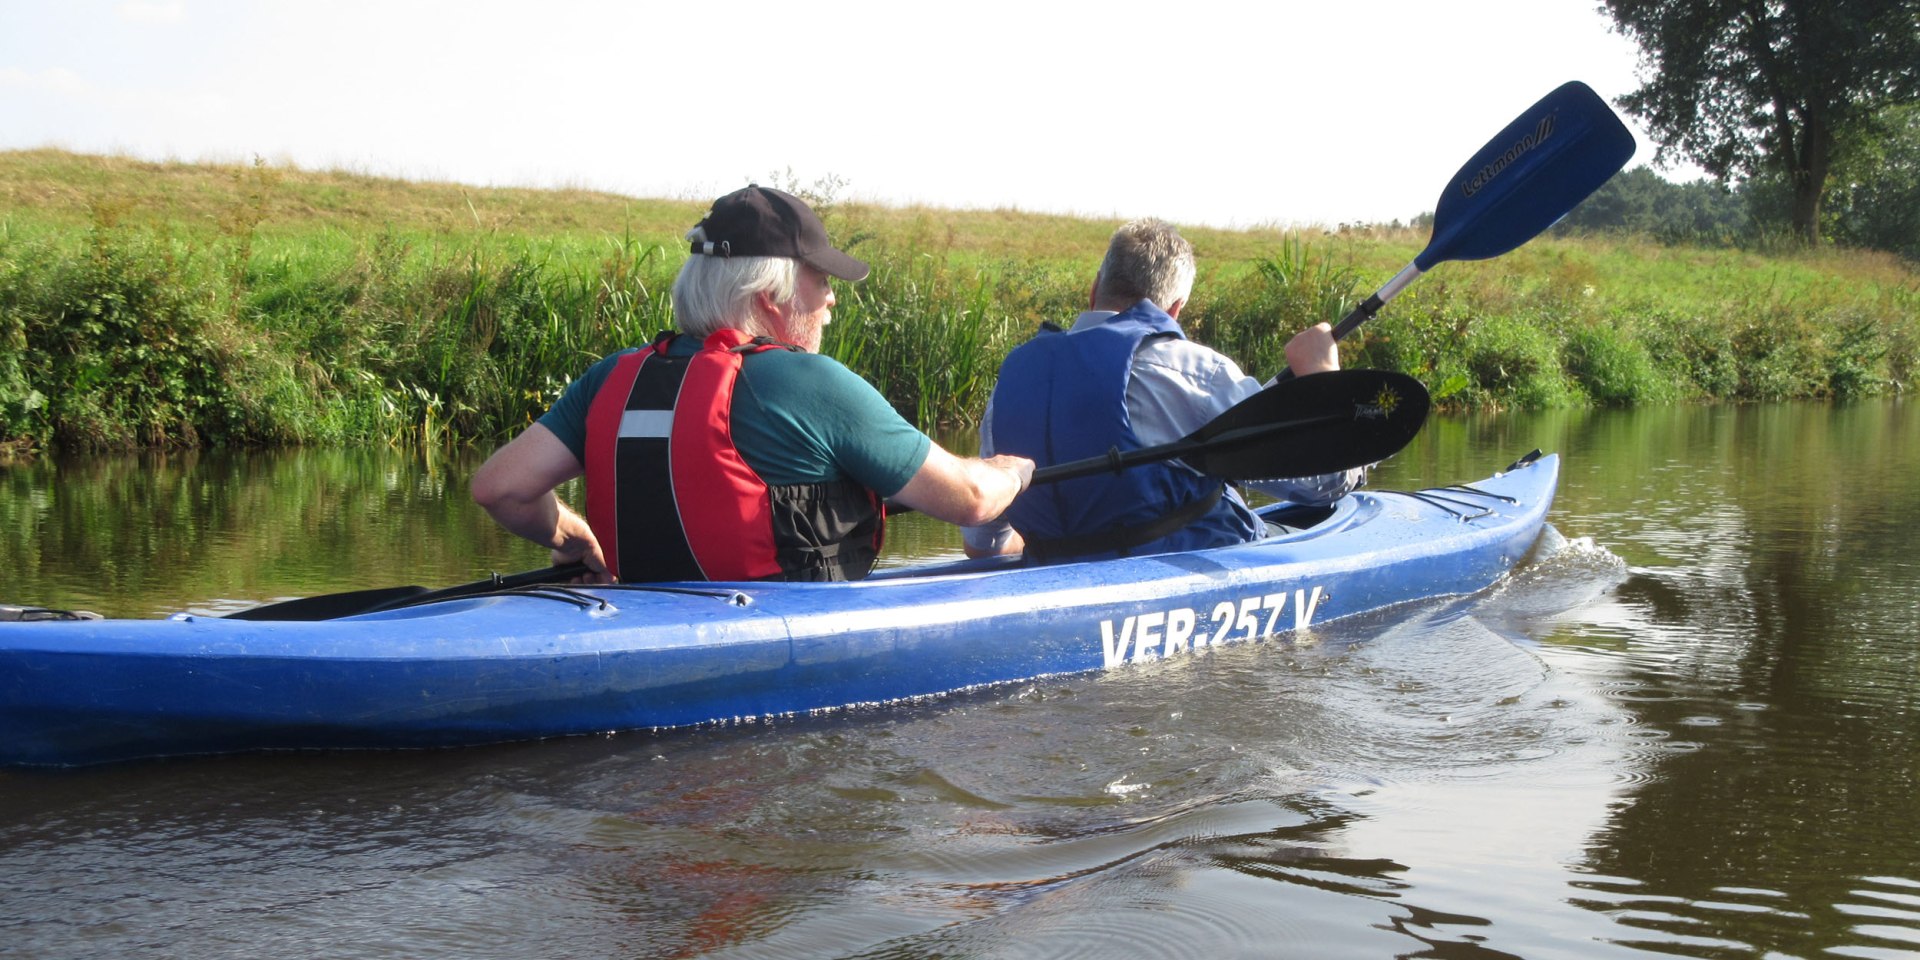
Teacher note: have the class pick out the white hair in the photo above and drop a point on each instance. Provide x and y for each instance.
(1147, 259)
(713, 292)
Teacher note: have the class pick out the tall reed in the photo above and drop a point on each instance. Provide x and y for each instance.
(931, 338)
(272, 307)
(1251, 317)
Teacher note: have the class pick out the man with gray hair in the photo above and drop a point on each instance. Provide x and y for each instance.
(1125, 376)
(733, 450)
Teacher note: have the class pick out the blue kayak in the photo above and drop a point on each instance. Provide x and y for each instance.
(553, 661)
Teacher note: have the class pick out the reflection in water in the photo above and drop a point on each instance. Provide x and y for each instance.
(150, 534)
(1688, 728)
(145, 535)
(1765, 637)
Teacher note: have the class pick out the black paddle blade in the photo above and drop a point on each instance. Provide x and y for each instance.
(1305, 426)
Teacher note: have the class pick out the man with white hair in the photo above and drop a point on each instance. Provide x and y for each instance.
(1125, 376)
(733, 450)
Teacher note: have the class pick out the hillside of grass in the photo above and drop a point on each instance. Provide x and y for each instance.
(204, 304)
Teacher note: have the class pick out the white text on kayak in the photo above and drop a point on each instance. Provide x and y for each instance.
(1164, 633)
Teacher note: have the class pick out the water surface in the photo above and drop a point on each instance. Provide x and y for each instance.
(1687, 728)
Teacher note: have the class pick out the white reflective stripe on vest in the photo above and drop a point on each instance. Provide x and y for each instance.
(646, 423)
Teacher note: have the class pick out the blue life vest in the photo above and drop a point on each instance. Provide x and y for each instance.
(1063, 397)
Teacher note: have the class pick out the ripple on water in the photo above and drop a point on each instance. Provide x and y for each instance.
(1393, 692)
(1886, 915)
(1558, 575)
(1157, 888)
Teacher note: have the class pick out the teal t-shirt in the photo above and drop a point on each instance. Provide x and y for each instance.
(797, 418)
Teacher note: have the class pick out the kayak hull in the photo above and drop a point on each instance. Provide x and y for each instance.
(553, 662)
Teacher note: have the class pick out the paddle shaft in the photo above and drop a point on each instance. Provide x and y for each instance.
(1330, 421)
(554, 574)
(1366, 310)
(1116, 460)
(1371, 305)
(374, 601)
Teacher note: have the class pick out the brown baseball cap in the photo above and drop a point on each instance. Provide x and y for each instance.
(758, 221)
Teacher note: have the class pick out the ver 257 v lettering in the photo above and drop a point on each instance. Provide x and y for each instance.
(1164, 633)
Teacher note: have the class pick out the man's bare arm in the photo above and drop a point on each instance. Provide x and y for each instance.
(964, 490)
(515, 486)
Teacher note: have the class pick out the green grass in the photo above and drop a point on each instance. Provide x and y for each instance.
(175, 304)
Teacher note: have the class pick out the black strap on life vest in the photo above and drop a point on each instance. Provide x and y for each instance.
(651, 547)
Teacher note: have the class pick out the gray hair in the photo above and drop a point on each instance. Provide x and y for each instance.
(713, 293)
(1147, 259)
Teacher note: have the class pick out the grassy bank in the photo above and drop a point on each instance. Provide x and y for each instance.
(189, 304)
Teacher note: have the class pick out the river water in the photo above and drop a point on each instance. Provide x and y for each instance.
(1689, 727)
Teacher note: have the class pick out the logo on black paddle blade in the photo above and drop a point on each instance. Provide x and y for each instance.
(1381, 407)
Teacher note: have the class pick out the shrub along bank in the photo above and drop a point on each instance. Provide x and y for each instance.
(145, 304)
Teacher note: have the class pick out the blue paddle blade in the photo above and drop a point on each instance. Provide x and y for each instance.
(1528, 176)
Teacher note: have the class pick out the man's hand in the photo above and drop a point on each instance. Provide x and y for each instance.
(1313, 350)
(577, 544)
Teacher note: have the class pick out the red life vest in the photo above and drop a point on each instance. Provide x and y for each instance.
(670, 498)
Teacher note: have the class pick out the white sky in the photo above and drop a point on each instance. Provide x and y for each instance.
(1234, 113)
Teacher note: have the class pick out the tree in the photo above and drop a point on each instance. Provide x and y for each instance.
(1641, 201)
(1878, 204)
(1786, 88)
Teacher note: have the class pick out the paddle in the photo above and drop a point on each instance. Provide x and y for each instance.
(331, 605)
(1328, 422)
(1524, 180)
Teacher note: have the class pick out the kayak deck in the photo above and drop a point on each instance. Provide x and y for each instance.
(554, 661)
